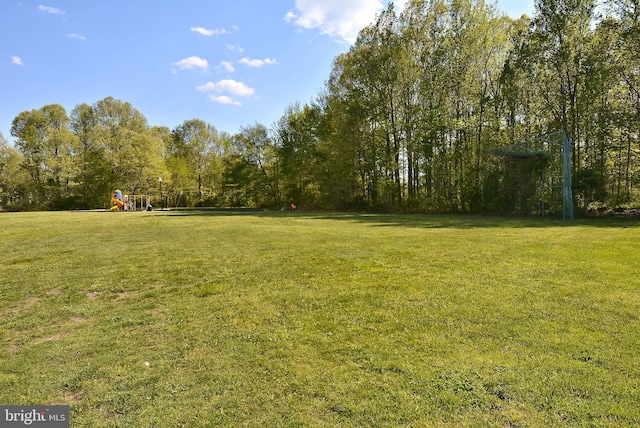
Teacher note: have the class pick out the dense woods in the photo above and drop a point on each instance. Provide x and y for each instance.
(405, 122)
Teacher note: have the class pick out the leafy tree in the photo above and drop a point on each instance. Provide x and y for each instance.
(133, 153)
(342, 167)
(517, 99)
(562, 32)
(29, 129)
(195, 158)
(13, 178)
(365, 83)
(47, 146)
(296, 134)
(252, 172)
(92, 166)
(417, 92)
(626, 154)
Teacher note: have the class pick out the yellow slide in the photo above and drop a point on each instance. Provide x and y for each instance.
(116, 198)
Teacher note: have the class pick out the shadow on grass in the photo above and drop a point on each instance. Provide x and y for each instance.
(427, 221)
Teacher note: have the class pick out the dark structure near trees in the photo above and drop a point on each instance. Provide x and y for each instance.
(529, 177)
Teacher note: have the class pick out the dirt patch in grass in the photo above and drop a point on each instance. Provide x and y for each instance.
(125, 295)
(93, 295)
(9, 311)
(13, 348)
(30, 301)
(76, 320)
(62, 334)
(49, 338)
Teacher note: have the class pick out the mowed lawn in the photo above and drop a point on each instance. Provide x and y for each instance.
(198, 319)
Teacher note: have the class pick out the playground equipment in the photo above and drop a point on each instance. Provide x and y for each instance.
(137, 202)
(116, 198)
(130, 202)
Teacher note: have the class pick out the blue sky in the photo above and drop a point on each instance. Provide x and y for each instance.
(231, 63)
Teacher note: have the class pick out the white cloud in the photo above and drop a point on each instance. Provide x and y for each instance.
(224, 99)
(52, 10)
(257, 62)
(207, 32)
(229, 86)
(341, 19)
(221, 88)
(227, 65)
(76, 36)
(191, 63)
(16, 60)
(235, 48)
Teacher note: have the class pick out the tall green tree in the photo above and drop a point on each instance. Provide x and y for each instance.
(343, 167)
(93, 172)
(47, 146)
(29, 129)
(517, 100)
(420, 90)
(296, 138)
(560, 38)
(625, 185)
(133, 153)
(252, 173)
(195, 158)
(365, 81)
(13, 178)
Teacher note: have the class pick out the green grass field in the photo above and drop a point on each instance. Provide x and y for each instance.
(198, 319)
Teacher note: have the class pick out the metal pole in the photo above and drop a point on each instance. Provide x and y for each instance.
(542, 195)
(568, 195)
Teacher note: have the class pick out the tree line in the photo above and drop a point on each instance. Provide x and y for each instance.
(404, 123)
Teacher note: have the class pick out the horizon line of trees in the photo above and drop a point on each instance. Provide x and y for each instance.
(405, 123)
